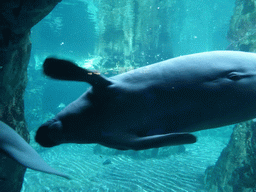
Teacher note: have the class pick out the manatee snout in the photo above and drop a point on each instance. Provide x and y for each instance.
(47, 135)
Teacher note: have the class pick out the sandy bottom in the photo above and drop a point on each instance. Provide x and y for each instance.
(179, 173)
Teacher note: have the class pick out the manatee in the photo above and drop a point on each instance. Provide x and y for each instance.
(156, 105)
(18, 149)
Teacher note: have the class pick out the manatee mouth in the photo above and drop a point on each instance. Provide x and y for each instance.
(48, 133)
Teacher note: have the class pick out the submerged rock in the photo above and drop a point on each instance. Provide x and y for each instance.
(17, 18)
(235, 169)
(242, 32)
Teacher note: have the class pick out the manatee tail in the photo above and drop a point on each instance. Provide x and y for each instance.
(18, 149)
(67, 70)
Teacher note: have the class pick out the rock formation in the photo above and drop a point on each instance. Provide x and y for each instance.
(235, 170)
(242, 33)
(133, 33)
(17, 17)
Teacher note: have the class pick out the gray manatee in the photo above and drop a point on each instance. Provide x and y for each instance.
(156, 105)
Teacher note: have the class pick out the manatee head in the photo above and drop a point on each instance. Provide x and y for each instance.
(49, 134)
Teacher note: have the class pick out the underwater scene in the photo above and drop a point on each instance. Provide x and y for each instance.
(112, 37)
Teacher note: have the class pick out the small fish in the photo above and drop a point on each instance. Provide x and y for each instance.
(107, 162)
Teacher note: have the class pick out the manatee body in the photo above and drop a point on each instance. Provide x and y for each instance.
(156, 105)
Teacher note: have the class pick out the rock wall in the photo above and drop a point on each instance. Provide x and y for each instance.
(242, 33)
(235, 170)
(17, 17)
(133, 33)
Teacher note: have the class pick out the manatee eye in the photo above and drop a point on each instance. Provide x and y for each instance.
(234, 76)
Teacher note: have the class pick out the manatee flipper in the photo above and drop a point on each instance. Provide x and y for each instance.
(18, 149)
(66, 70)
(155, 141)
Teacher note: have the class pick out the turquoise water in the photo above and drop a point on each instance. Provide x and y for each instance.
(176, 173)
(70, 32)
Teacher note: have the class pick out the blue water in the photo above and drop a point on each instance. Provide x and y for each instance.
(69, 32)
(181, 172)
